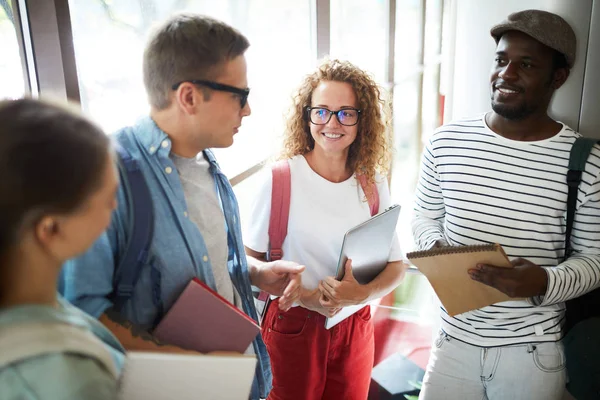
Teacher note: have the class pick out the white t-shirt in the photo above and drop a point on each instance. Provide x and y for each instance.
(320, 214)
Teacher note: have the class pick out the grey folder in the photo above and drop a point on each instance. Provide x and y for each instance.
(368, 246)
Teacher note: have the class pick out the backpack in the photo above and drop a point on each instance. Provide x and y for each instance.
(582, 327)
(280, 212)
(25, 340)
(141, 228)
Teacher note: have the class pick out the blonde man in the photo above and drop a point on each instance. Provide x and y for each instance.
(195, 76)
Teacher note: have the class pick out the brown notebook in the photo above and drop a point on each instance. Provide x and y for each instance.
(446, 269)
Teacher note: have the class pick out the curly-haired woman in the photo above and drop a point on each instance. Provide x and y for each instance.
(338, 129)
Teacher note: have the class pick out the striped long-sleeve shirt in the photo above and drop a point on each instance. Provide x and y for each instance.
(478, 187)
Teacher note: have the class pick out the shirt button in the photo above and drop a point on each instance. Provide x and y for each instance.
(165, 143)
(168, 170)
(205, 258)
(185, 214)
(152, 149)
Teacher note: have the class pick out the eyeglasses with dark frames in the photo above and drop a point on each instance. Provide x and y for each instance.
(242, 93)
(321, 115)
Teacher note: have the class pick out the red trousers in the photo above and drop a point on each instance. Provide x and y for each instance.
(310, 362)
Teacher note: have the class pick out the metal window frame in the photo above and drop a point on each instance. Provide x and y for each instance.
(322, 18)
(46, 46)
(21, 25)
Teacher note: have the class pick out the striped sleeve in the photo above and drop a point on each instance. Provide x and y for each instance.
(580, 274)
(429, 212)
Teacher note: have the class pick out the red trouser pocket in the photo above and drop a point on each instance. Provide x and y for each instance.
(310, 362)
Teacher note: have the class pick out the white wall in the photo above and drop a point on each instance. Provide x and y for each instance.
(474, 54)
(589, 123)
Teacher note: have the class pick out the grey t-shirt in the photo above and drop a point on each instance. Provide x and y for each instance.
(204, 209)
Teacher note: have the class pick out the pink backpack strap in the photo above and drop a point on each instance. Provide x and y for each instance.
(373, 196)
(280, 209)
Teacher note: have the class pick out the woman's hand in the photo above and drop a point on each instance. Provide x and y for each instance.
(310, 299)
(347, 292)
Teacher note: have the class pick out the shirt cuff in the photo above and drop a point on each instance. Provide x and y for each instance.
(541, 299)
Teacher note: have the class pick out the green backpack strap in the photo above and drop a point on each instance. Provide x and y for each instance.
(23, 341)
(577, 159)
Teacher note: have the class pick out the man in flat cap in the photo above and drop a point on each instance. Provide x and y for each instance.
(501, 178)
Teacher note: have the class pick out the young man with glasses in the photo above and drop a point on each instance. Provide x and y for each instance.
(195, 77)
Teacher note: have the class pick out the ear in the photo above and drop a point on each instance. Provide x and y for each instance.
(46, 230)
(188, 97)
(560, 77)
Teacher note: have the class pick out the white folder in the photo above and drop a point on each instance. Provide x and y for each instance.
(154, 376)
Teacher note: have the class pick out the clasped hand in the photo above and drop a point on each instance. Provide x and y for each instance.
(346, 292)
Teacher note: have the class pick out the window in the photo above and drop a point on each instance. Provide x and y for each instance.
(12, 85)
(416, 97)
(417, 113)
(109, 38)
(358, 34)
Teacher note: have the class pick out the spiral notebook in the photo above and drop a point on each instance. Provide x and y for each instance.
(446, 269)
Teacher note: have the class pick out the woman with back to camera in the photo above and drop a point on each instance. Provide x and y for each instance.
(57, 194)
(336, 132)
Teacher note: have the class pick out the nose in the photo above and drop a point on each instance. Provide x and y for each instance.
(246, 111)
(333, 121)
(509, 72)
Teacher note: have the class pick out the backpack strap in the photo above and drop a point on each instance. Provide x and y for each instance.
(577, 160)
(280, 206)
(141, 228)
(26, 340)
(370, 190)
(280, 209)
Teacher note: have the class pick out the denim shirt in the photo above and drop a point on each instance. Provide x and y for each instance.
(178, 250)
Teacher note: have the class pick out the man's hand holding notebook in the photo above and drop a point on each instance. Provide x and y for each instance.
(447, 269)
(526, 279)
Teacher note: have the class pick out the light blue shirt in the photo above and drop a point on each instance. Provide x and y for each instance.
(57, 376)
(178, 251)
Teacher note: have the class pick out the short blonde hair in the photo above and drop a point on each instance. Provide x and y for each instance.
(370, 153)
(187, 47)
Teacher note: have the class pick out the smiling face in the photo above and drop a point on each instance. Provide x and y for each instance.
(333, 137)
(523, 76)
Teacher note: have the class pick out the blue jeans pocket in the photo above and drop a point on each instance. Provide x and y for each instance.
(548, 357)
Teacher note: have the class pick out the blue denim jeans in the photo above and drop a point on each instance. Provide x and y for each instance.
(457, 370)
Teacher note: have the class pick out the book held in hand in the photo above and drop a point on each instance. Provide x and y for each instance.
(446, 269)
(204, 321)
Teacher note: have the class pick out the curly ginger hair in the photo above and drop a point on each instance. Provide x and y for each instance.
(371, 151)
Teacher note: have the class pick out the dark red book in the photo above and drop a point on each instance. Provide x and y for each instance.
(204, 321)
